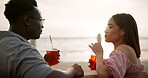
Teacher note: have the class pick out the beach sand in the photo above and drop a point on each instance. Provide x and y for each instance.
(85, 67)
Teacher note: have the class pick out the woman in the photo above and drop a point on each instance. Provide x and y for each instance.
(123, 33)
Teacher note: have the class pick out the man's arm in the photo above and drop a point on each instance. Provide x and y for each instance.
(74, 71)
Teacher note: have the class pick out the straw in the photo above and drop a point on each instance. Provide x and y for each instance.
(51, 42)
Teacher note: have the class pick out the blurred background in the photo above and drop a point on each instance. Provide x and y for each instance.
(74, 24)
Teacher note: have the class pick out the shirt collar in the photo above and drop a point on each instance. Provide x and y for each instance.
(10, 33)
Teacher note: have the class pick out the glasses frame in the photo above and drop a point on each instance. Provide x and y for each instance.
(40, 19)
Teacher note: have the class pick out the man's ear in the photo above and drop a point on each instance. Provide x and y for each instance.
(26, 20)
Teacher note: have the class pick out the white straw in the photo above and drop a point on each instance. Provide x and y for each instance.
(51, 42)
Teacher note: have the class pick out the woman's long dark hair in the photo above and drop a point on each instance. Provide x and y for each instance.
(129, 26)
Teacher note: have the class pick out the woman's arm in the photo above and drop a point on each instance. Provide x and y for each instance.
(101, 68)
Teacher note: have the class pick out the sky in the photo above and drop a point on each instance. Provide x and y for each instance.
(84, 18)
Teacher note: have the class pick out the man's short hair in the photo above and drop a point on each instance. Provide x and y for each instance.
(17, 8)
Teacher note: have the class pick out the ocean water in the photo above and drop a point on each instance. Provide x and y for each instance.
(77, 50)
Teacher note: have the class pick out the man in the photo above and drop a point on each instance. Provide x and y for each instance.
(18, 59)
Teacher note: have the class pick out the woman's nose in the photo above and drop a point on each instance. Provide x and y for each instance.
(106, 30)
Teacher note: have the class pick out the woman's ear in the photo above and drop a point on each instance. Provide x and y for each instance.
(122, 32)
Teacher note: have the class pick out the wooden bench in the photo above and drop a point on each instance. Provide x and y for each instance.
(131, 75)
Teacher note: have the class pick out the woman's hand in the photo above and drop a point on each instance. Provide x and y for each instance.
(96, 48)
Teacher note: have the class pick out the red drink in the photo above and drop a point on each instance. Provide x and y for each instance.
(92, 62)
(52, 57)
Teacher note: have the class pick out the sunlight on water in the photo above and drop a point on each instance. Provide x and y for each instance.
(77, 50)
(72, 49)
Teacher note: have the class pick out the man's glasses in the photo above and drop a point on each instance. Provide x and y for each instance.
(40, 19)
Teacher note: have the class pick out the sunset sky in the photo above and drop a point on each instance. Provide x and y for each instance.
(84, 18)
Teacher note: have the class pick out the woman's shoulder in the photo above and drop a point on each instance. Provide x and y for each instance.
(125, 49)
(124, 46)
(128, 51)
